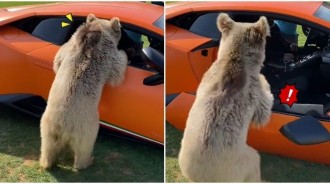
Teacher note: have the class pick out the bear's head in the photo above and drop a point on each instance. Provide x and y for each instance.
(252, 33)
(242, 50)
(111, 28)
(247, 38)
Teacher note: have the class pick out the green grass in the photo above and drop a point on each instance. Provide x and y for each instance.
(145, 40)
(8, 4)
(301, 37)
(273, 168)
(116, 160)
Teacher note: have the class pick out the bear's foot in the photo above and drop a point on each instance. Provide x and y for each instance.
(83, 164)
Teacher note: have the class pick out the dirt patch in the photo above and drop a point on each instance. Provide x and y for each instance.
(298, 165)
(21, 145)
(99, 172)
(22, 178)
(10, 171)
(114, 156)
(127, 171)
(30, 160)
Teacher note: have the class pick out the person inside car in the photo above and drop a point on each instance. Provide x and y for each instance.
(277, 45)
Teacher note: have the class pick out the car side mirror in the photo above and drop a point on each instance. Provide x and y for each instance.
(153, 58)
(156, 60)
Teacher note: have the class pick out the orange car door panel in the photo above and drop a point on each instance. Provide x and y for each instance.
(267, 139)
(124, 106)
(15, 70)
(179, 54)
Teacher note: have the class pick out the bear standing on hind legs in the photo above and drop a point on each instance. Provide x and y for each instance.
(82, 66)
(231, 94)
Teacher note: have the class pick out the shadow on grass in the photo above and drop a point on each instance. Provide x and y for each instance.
(116, 160)
(273, 168)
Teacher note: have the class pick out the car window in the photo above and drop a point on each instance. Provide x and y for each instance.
(134, 42)
(51, 30)
(205, 25)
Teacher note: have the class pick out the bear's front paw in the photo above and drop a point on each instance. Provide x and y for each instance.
(261, 118)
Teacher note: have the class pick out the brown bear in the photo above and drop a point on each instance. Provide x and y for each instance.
(82, 66)
(231, 94)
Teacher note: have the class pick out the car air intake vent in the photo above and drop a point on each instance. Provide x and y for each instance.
(305, 131)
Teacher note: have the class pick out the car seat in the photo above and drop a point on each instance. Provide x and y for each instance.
(51, 30)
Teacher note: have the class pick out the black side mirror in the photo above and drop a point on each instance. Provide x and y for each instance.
(154, 58)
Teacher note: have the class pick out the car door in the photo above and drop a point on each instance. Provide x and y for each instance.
(132, 107)
(15, 70)
(192, 44)
(191, 47)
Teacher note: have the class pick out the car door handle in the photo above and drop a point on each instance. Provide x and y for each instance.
(154, 80)
(205, 52)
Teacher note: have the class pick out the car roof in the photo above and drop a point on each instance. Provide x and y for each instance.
(137, 13)
(303, 10)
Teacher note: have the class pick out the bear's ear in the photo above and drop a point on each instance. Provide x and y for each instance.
(90, 18)
(115, 24)
(224, 23)
(263, 26)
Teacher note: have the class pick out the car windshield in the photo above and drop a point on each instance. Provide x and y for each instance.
(324, 11)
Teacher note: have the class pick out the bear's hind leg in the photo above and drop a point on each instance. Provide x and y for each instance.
(253, 166)
(50, 147)
(83, 148)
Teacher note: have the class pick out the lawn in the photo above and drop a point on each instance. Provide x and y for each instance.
(116, 160)
(10, 3)
(301, 37)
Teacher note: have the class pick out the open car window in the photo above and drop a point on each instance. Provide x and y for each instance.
(133, 41)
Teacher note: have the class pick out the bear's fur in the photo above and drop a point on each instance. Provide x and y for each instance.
(82, 66)
(231, 94)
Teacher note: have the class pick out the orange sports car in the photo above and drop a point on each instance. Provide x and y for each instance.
(31, 36)
(300, 57)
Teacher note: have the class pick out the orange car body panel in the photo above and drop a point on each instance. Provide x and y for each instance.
(179, 43)
(26, 67)
(267, 139)
(185, 80)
